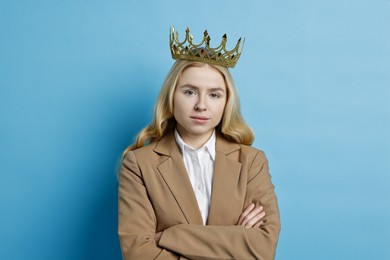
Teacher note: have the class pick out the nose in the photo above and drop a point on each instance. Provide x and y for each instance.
(200, 104)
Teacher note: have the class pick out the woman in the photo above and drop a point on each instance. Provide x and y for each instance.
(197, 190)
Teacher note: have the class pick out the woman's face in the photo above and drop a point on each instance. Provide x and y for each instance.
(199, 101)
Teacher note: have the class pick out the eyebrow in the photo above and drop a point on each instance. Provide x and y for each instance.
(195, 87)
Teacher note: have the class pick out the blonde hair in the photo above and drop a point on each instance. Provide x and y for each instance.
(232, 125)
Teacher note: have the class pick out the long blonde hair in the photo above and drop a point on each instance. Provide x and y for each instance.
(232, 125)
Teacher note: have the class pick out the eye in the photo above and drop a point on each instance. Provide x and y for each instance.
(189, 92)
(215, 95)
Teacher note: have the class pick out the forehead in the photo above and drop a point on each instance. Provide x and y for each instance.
(202, 77)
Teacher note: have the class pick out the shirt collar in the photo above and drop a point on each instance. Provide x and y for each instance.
(209, 145)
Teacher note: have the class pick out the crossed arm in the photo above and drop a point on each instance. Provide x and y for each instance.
(249, 218)
(254, 236)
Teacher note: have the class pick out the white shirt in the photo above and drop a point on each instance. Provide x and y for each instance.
(200, 168)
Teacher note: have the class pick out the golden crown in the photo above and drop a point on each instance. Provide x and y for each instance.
(202, 51)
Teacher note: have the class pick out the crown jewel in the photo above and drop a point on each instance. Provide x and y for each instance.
(187, 50)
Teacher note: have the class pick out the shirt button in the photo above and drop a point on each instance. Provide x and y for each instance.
(199, 187)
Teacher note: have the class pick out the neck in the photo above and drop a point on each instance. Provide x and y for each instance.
(193, 140)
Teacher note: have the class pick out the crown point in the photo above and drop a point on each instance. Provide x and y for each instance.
(205, 33)
(172, 29)
(208, 40)
(187, 30)
(224, 36)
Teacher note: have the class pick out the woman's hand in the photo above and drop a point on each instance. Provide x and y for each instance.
(251, 216)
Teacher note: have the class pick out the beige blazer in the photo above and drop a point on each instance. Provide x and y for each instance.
(155, 194)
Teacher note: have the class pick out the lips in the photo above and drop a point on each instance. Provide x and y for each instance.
(199, 117)
(201, 120)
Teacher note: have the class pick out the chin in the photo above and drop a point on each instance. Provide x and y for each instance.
(201, 132)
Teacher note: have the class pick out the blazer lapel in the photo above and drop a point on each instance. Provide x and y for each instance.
(225, 181)
(175, 176)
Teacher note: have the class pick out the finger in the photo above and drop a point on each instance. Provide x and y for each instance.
(258, 224)
(246, 211)
(254, 220)
(253, 217)
(251, 214)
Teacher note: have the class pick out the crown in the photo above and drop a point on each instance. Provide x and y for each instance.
(187, 50)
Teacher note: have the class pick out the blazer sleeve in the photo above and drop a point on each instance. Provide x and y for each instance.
(233, 242)
(136, 218)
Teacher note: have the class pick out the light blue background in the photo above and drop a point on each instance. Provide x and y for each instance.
(79, 78)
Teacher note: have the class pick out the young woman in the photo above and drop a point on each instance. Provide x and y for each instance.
(197, 189)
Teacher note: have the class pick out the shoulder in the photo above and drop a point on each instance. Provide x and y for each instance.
(155, 151)
(226, 146)
(252, 154)
(251, 150)
(248, 149)
(243, 153)
(146, 150)
(136, 160)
